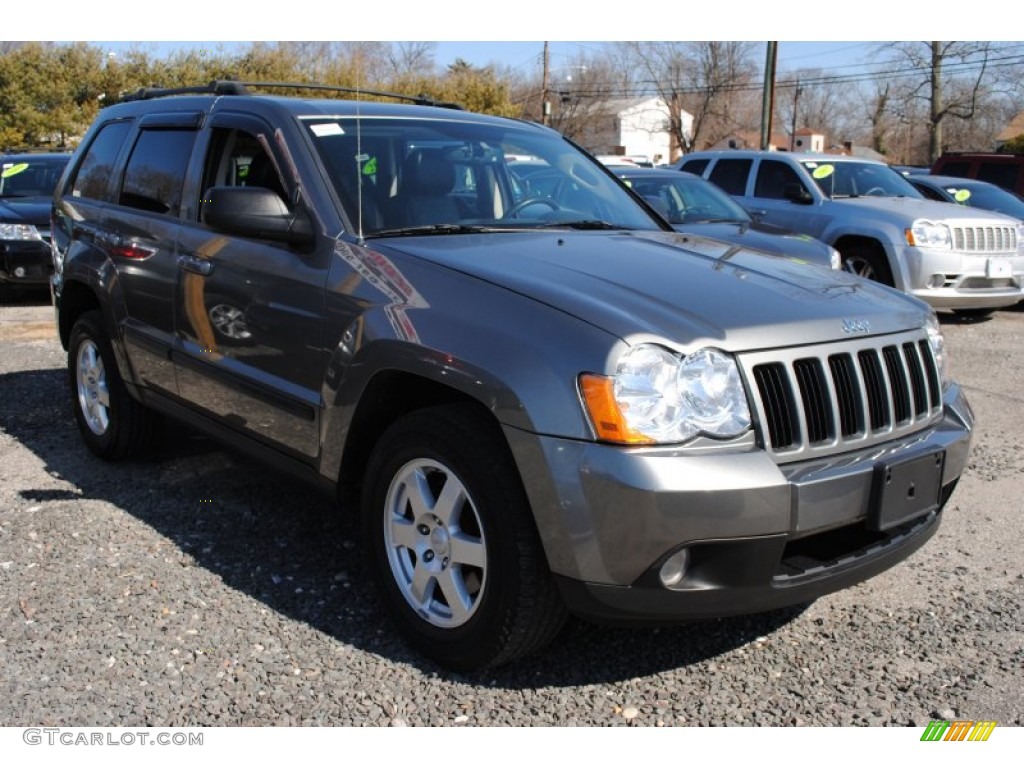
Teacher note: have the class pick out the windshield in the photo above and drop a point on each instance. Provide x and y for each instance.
(424, 176)
(990, 198)
(854, 179)
(685, 199)
(29, 176)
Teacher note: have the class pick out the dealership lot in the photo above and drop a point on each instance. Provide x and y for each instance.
(195, 587)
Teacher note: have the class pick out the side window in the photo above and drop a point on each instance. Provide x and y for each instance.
(731, 175)
(772, 178)
(955, 169)
(238, 159)
(695, 166)
(155, 174)
(93, 175)
(930, 193)
(1001, 174)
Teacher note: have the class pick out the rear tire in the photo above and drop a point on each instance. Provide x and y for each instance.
(113, 424)
(452, 541)
(868, 262)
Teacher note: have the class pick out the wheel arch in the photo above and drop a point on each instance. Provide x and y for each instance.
(847, 241)
(388, 396)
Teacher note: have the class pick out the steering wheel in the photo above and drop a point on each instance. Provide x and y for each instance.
(518, 207)
(875, 190)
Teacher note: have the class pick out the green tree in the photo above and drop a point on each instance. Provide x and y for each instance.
(1014, 145)
(49, 93)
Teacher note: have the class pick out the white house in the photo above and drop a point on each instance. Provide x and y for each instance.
(634, 127)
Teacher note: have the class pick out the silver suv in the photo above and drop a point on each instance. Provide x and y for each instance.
(951, 257)
(534, 405)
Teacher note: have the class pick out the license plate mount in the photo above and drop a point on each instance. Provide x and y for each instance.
(906, 489)
(999, 268)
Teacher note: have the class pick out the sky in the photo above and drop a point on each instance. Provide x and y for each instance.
(462, 25)
(525, 56)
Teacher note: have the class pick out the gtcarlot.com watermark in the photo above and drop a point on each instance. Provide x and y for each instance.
(79, 737)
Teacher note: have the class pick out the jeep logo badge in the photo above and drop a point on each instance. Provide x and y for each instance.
(856, 326)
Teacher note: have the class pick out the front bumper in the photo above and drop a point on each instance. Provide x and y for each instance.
(26, 262)
(969, 280)
(760, 535)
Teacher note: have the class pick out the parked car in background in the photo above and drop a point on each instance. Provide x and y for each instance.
(27, 182)
(695, 206)
(1000, 168)
(952, 257)
(969, 192)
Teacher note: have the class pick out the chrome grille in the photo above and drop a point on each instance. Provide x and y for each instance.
(985, 239)
(825, 399)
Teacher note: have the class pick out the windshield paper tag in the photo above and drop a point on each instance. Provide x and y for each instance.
(327, 129)
(13, 170)
(823, 171)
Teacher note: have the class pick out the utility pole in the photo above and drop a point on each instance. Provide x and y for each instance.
(796, 101)
(545, 105)
(768, 99)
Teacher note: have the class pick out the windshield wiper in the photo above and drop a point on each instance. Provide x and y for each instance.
(583, 224)
(436, 229)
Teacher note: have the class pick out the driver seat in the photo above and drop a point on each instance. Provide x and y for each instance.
(427, 178)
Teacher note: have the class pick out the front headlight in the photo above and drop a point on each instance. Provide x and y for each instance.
(19, 232)
(938, 345)
(656, 396)
(835, 259)
(929, 234)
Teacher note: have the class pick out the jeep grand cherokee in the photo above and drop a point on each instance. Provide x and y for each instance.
(536, 405)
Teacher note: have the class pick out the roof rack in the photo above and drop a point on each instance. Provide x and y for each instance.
(241, 88)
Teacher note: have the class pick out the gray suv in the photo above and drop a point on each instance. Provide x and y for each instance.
(952, 257)
(535, 406)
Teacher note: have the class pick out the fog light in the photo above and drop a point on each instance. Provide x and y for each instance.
(674, 568)
(19, 271)
(936, 281)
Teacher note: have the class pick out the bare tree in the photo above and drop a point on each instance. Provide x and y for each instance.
(706, 79)
(950, 77)
(811, 98)
(410, 58)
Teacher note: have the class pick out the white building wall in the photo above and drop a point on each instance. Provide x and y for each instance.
(643, 130)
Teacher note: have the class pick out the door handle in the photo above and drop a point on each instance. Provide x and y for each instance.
(191, 263)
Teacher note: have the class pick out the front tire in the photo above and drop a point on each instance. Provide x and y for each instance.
(867, 262)
(452, 541)
(113, 424)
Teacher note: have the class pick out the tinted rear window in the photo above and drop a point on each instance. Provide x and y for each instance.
(731, 175)
(1001, 174)
(155, 174)
(695, 166)
(93, 174)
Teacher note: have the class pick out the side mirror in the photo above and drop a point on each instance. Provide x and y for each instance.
(255, 212)
(796, 193)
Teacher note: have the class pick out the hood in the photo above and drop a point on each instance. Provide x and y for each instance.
(762, 237)
(26, 210)
(684, 290)
(902, 208)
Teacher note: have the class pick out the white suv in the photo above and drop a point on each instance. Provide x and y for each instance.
(952, 257)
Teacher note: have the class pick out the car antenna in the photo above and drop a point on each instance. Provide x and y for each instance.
(359, 157)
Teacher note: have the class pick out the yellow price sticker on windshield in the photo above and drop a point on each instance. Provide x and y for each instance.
(823, 171)
(13, 170)
(962, 195)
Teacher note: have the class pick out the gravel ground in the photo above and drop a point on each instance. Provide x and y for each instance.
(195, 587)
